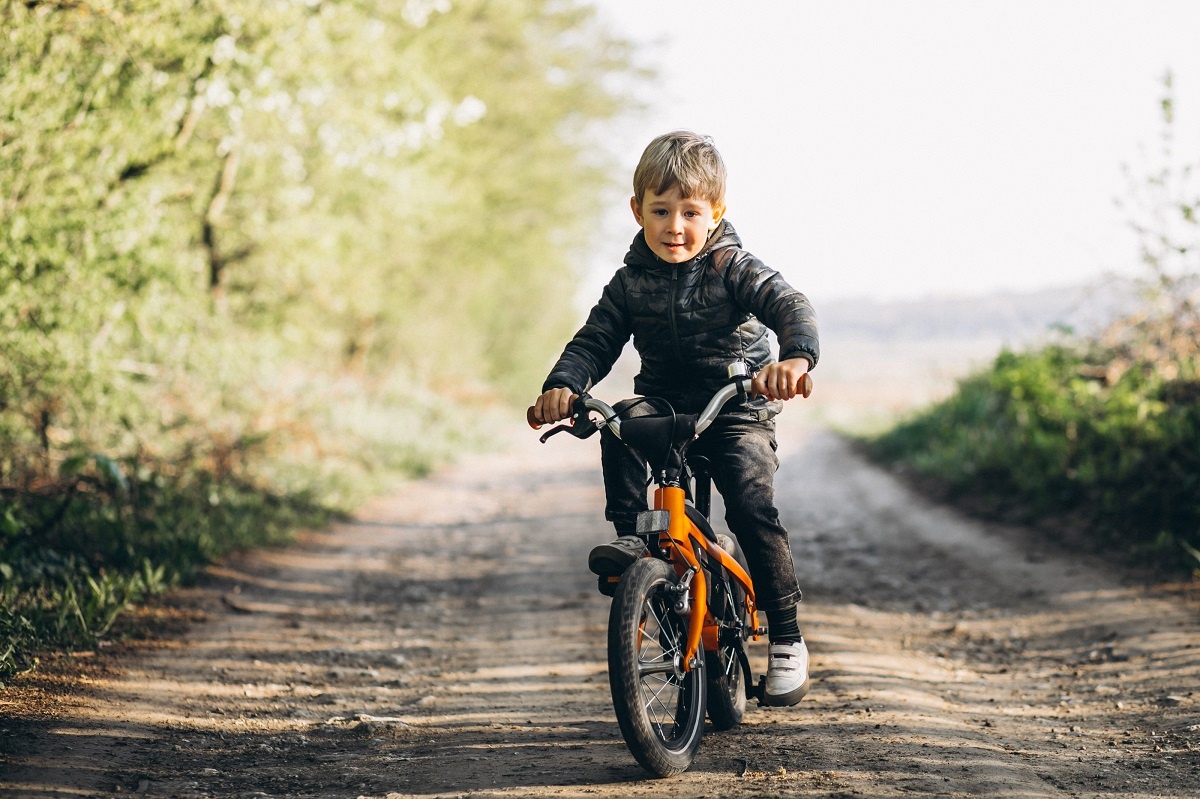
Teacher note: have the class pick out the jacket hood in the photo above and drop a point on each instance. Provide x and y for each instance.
(640, 253)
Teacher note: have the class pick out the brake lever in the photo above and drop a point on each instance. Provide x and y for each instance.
(580, 429)
(562, 428)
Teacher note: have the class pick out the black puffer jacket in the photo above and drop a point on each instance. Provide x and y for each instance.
(688, 322)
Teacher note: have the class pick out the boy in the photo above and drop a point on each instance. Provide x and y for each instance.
(693, 301)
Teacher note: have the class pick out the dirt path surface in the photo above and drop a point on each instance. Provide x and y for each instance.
(450, 642)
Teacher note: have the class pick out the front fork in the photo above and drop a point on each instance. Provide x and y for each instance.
(691, 603)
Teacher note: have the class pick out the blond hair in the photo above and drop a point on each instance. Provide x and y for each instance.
(684, 159)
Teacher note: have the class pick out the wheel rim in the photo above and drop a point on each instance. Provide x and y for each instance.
(662, 682)
(727, 651)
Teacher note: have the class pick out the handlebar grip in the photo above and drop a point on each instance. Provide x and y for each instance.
(806, 385)
(531, 417)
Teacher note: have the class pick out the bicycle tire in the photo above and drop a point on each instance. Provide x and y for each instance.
(660, 708)
(726, 689)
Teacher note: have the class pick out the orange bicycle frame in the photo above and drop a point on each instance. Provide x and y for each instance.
(677, 540)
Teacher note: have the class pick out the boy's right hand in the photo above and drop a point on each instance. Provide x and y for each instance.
(783, 380)
(554, 405)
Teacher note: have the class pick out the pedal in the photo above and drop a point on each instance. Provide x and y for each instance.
(608, 584)
(758, 692)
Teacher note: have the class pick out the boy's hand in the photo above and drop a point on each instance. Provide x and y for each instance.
(554, 405)
(783, 380)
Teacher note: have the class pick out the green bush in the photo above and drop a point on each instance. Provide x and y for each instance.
(1047, 432)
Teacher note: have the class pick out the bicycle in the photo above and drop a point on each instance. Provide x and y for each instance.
(681, 614)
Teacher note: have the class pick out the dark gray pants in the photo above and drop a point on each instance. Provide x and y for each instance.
(743, 465)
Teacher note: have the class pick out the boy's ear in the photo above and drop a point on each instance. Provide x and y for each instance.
(637, 211)
(718, 212)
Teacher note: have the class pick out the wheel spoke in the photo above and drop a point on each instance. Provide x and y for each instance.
(660, 685)
(730, 662)
(652, 699)
(667, 712)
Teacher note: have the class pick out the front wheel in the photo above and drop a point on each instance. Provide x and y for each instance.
(659, 706)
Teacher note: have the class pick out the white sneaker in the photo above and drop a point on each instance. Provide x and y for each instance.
(787, 674)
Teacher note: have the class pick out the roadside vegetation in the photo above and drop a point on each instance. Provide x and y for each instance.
(259, 258)
(1101, 430)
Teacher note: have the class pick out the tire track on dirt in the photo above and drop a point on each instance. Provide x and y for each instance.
(988, 661)
(449, 641)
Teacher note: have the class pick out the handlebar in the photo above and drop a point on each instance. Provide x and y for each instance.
(582, 426)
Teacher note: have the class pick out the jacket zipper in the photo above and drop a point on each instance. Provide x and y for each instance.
(671, 313)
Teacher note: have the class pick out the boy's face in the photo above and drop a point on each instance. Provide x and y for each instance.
(676, 227)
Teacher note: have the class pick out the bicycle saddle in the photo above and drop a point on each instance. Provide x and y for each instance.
(660, 439)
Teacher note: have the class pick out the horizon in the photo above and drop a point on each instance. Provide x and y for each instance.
(930, 148)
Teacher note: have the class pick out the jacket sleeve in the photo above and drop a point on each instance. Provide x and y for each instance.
(763, 292)
(591, 353)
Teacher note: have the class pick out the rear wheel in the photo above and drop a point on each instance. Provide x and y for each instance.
(726, 686)
(726, 682)
(659, 706)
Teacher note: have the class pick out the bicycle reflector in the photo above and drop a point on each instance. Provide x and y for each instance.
(650, 522)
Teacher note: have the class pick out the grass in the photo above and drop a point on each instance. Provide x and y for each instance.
(110, 533)
(73, 560)
(1058, 431)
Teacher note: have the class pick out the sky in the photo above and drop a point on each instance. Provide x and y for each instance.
(890, 150)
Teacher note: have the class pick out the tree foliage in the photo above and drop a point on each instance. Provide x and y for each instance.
(253, 247)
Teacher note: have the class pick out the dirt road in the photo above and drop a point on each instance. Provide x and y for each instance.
(450, 642)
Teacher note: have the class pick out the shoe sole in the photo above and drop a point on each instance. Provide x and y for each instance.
(792, 697)
(610, 561)
(607, 566)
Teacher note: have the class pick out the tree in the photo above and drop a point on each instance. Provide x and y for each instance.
(249, 252)
(1164, 210)
(212, 208)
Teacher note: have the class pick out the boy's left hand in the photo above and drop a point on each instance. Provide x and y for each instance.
(781, 381)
